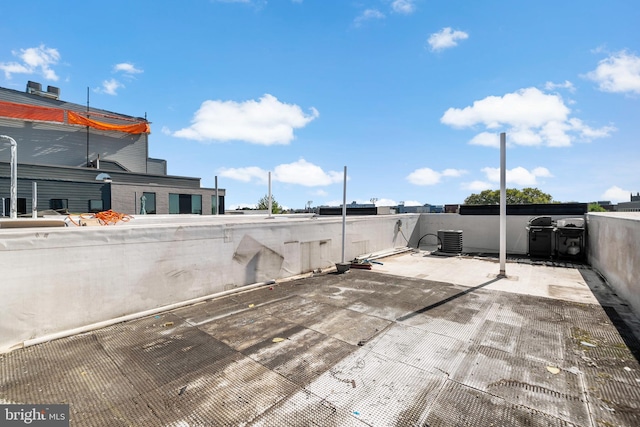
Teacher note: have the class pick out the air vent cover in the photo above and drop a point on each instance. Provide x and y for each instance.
(450, 241)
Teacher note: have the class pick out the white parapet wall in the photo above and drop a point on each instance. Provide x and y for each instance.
(64, 279)
(614, 251)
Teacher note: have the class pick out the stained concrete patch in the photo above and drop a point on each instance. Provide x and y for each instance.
(459, 405)
(302, 356)
(399, 395)
(234, 395)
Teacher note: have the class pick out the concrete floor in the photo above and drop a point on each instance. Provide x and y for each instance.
(420, 340)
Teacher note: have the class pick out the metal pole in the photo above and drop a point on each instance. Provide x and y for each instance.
(217, 198)
(269, 194)
(13, 210)
(34, 200)
(344, 212)
(88, 164)
(503, 204)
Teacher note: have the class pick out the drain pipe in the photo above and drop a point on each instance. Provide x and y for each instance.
(503, 205)
(13, 210)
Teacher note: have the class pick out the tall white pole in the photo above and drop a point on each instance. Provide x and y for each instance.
(503, 204)
(13, 210)
(269, 194)
(217, 198)
(34, 200)
(344, 212)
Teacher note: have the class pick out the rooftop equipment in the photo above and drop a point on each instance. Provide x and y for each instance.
(35, 88)
(450, 241)
(570, 238)
(540, 237)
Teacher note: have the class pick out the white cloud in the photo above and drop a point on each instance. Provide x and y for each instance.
(453, 172)
(412, 203)
(566, 85)
(617, 194)
(518, 176)
(446, 38)
(305, 173)
(368, 15)
(427, 176)
(486, 139)
(127, 68)
(477, 186)
(403, 6)
(424, 176)
(109, 87)
(529, 116)
(35, 60)
(618, 73)
(300, 173)
(248, 174)
(266, 121)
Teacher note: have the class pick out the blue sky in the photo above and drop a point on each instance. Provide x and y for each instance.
(410, 95)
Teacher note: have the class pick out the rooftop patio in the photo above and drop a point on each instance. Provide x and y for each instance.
(418, 340)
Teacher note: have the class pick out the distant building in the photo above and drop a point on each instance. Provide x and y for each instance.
(632, 206)
(451, 208)
(426, 208)
(88, 160)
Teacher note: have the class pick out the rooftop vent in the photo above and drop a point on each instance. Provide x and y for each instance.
(55, 91)
(35, 88)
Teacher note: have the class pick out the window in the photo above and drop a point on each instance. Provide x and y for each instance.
(95, 206)
(150, 202)
(59, 204)
(185, 204)
(220, 203)
(196, 204)
(21, 206)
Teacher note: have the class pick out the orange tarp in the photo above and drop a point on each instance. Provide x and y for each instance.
(31, 112)
(77, 119)
(48, 114)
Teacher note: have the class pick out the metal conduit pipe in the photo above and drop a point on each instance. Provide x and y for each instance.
(13, 210)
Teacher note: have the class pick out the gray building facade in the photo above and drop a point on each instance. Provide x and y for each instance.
(89, 160)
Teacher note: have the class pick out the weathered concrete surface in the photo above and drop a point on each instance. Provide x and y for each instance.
(358, 349)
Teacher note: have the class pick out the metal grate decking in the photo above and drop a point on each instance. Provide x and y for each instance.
(358, 349)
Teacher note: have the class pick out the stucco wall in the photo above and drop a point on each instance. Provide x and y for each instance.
(65, 278)
(614, 251)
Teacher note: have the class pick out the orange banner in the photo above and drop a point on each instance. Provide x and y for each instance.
(77, 119)
(31, 112)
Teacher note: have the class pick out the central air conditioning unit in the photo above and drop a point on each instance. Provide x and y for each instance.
(450, 241)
